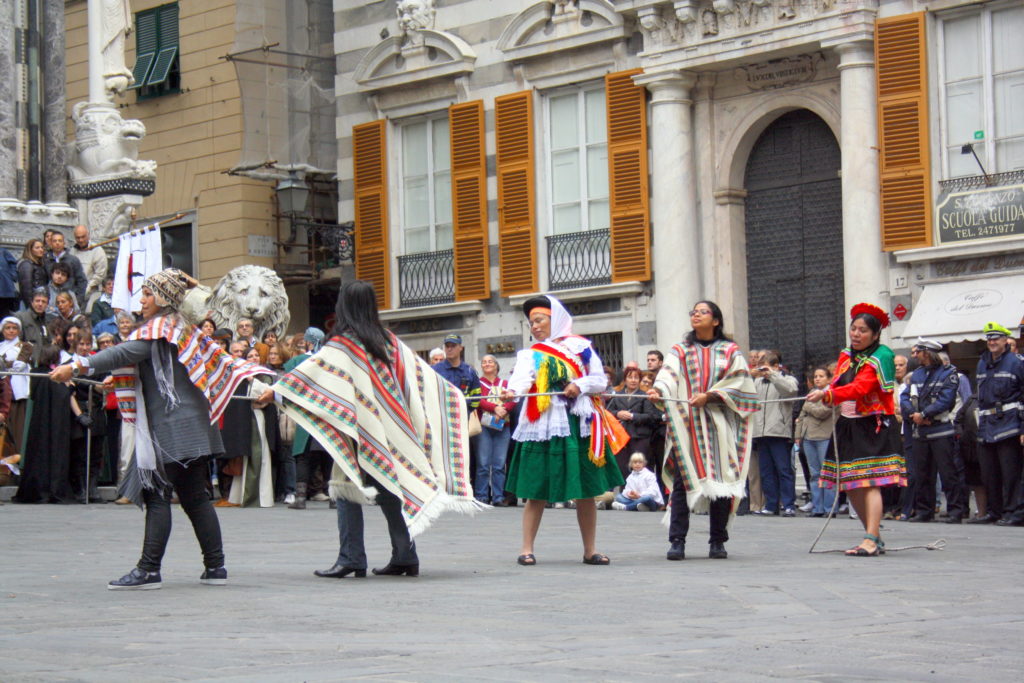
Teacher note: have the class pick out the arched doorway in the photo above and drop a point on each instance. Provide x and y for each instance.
(794, 230)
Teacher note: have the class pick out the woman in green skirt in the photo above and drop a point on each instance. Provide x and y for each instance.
(560, 452)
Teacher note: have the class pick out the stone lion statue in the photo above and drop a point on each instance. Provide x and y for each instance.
(106, 145)
(252, 292)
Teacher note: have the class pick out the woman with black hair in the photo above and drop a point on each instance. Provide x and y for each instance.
(173, 383)
(397, 432)
(707, 432)
(867, 434)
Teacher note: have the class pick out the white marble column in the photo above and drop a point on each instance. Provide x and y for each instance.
(97, 90)
(865, 272)
(676, 250)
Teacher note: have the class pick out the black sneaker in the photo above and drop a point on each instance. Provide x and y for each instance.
(214, 577)
(717, 551)
(136, 579)
(676, 552)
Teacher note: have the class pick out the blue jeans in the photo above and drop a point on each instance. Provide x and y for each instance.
(491, 450)
(650, 501)
(352, 552)
(777, 481)
(822, 498)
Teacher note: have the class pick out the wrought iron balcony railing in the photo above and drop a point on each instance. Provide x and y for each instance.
(579, 259)
(980, 182)
(426, 279)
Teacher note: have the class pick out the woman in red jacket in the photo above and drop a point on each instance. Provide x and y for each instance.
(867, 434)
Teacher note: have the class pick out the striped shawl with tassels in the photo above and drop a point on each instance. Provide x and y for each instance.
(212, 370)
(710, 446)
(400, 423)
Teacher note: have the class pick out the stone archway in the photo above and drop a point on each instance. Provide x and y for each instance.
(794, 241)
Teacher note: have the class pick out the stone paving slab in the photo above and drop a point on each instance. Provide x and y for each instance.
(770, 611)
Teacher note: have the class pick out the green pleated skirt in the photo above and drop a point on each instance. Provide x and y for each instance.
(560, 469)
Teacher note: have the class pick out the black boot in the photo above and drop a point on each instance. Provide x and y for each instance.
(94, 488)
(717, 551)
(677, 551)
(300, 497)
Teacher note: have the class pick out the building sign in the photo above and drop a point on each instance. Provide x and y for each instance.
(980, 214)
(779, 73)
(973, 302)
(427, 325)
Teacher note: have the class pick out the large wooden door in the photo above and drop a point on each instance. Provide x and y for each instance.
(794, 229)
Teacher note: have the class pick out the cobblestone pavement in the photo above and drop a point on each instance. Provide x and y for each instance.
(770, 611)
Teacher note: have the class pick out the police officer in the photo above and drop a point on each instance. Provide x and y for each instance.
(1000, 380)
(458, 372)
(462, 375)
(930, 404)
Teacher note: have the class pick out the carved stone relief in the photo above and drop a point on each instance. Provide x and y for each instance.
(693, 21)
(413, 17)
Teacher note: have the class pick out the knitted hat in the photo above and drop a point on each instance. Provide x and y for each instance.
(169, 286)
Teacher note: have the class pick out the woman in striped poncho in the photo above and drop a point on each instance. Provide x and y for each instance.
(708, 436)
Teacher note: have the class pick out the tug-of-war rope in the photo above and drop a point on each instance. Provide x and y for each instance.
(938, 544)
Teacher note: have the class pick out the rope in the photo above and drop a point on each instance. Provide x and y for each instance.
(938, 544)
(82, 380)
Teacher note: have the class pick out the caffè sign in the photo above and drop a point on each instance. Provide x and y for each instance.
(973, 302)
(981, 214)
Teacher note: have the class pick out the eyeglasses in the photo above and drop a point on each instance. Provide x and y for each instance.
(701, 312)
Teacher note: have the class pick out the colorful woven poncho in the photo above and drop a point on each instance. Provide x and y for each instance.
(212, 370)
(400, 423)
(710, 445)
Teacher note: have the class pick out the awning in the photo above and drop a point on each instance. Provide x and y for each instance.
(956, 311)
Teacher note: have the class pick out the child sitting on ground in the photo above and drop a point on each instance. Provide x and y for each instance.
(641, 491)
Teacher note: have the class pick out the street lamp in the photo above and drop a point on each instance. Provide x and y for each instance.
(292, 194)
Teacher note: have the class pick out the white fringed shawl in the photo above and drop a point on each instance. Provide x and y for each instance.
(401, 424)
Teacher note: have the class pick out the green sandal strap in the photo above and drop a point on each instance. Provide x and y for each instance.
(877, 539)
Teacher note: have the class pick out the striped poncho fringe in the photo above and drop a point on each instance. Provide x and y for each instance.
(403, 425)
(710, 446)
(212, 370)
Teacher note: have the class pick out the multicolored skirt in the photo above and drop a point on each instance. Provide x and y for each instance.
(560, 469)
(869, 454)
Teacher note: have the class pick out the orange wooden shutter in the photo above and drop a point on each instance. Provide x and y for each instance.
(513, 124)
(902, 75)
(369, 155)
(469, 201)
(627, 177)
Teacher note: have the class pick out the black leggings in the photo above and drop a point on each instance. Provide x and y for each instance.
(189, 481)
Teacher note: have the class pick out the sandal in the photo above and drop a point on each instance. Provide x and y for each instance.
(861, 551)
(527, 560)
(597, 558)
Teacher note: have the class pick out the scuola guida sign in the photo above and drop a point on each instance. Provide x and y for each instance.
(981, 214)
